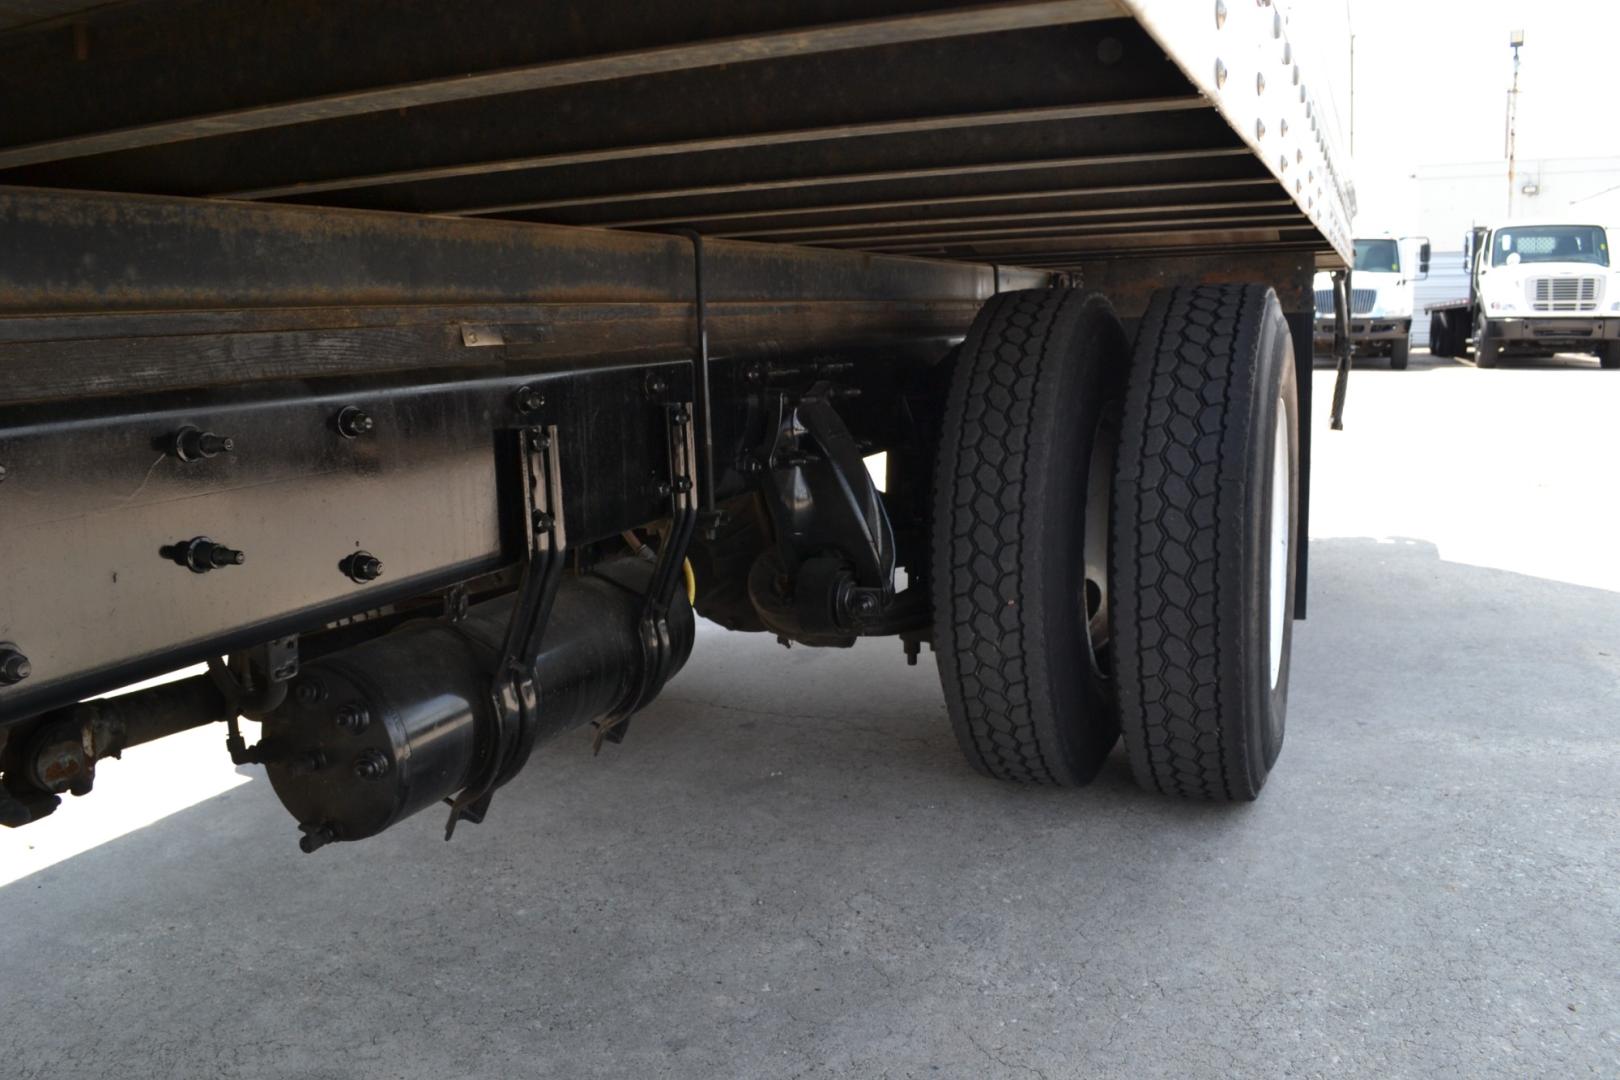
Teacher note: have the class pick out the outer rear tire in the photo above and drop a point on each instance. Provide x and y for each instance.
(1203, 587)
(1609, 354)
(1031, 387)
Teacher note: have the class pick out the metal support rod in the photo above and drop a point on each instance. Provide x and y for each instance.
(1341, 343)
(705, 406)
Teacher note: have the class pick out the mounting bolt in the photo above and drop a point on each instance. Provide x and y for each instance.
(539, 439)
(1259, 129)
(200, 555)
(362, 566)
(14, 666)
(681, 416)
(1220, 13)
(2, 474)
(190, 444)
(1259, 83)
(657, 385)
(863, 603)
(309, 691)
(528, 399)
(543, 520)
(1220, 73)
(353, 422)
(352, 718)
(371, 765)
(683, 484)
(662, 488)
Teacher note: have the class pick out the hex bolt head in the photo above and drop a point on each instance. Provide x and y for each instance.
(352, 718)
(863, 603)
(354, 422)
(543, 521)
(309, 691)
(528, 399)
(683, 484)
(657, 386)
(14, 666)
(362, 566)
(371, 765)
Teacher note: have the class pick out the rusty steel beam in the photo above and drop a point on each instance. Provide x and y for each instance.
(866, 33)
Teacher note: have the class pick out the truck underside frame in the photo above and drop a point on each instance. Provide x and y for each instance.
(276, 330)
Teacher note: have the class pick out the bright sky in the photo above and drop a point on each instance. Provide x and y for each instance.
(1432, 77)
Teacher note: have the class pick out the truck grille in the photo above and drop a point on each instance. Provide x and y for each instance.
(1361, 301)
(1564, 293)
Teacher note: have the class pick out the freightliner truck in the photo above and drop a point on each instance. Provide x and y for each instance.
(1387, 270)
(1535, 288)
(424, 370)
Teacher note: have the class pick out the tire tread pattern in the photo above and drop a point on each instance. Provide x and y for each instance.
(1171, 549)
(982, 484)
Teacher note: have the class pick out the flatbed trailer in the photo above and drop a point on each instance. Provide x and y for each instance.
(424, 369)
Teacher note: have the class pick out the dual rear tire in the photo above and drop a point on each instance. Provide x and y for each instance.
(1113, 551)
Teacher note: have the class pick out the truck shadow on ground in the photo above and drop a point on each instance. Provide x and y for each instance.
(787, 863)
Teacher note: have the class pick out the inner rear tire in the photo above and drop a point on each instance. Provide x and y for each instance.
(1487, 349)
(1030, 392)
(1205, 516)
(1440, 336)
(1399, 352)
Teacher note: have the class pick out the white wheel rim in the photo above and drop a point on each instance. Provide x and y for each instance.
(1280, 474)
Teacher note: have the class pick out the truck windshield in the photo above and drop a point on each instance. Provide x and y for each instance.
(1383, 255)
(1550, 243)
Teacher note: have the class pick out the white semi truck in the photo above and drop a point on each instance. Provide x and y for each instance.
(1383, 282)
(1534, 288)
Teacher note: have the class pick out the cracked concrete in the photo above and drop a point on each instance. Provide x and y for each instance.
(787, 871)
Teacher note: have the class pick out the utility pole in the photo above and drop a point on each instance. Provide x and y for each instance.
(1516, 40)
(1350, 32)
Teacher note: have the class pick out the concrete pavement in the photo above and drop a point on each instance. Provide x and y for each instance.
(787, 871)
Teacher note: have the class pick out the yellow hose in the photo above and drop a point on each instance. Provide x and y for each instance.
(691, 581)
